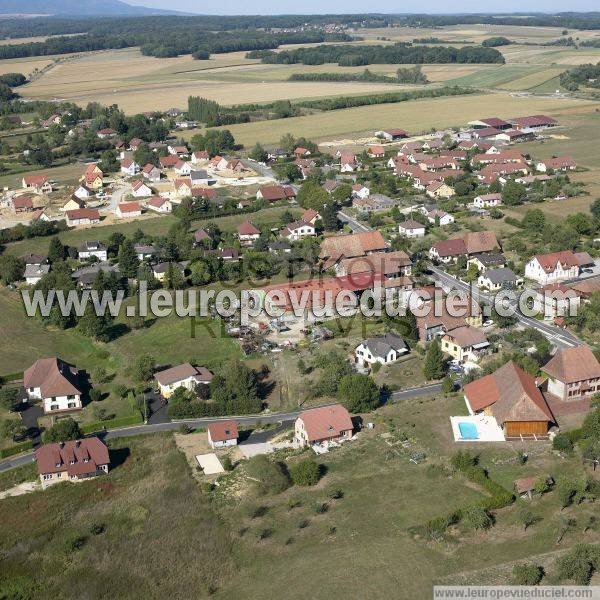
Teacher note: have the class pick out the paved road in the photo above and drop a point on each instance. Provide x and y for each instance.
(353, 223)
(560, 337)
(281, 418)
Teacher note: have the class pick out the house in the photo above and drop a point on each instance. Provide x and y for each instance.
(247, 233)
(51, 120)
(557, 163)
(487, 200)
(573, 373)
(497, 279)
(481, 242)
(441, 217)
(54, 382)
(34, 259)
(280, 246)
(83, 192)
(129, 210)
(201, 235)
(183, 187)
(218, 163)
(512, 398)
(337, 247)
(151, 172)
(107, 132)
(586, 288)
(160, 205)
(553, 267)
(200, 156)
(330, 185)
(168, 162)
(465, 344)
(515, 135)
(310, 216)
(445, 314)
(39, 183)
(360, 191)
(274, 193)
(73, 203)
(487, 260)
(145, 251)
(448, 250)
(494, 122)
(161, 270)
(39, 215)
(73, 460)
(556, 300)
(199, 177)
(203, 192)
(374, 203)
(129, 167)
(225, 254)
(391, 265)
(348, 163)
(298, 230)
(438, 163)
(140, 190)
(222, 434)
(383, 349)
(300, 152)
(391, 135)
(89, 249)
(177, 150)
(135, 143)
(499, 157)
(34, 273)
(235, 165)
(82, 216)
(411, 229)
(439, 189)
(320, 426)
(182, 168)
(375, 151)
(184, 375)
(22, 204)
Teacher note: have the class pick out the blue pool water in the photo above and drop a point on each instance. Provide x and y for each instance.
(468, 431)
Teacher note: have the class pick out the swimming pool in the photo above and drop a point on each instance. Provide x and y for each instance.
(468, 431)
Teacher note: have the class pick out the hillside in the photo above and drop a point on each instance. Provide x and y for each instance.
(78, 8)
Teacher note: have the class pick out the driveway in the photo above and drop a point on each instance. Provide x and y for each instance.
(30, 416)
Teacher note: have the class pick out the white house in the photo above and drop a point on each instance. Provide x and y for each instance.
(83, 192)
(247, 233)
(222, 434)
(384, 349)
(487, 200)
(441, 215)
(160, 205)
(55, 383)
(411, 229)
(129, 167)
(497, 279)
(151, 172)
(185, 375)
(140, 190)
(183, 168)
(34, 273)
(129, 210)
(556, 300)
(360, 191)
(552, 268)
(298, 230)
(89, 249)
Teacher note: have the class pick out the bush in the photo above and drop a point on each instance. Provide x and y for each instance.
(62, 431)
(527, 574)
(579, 564)
(562, 443)
(305, 472)
(477, 517)
(97, 528)
(95, 395)
(269, 476)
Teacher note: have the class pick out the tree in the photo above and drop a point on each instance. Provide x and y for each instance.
(527, 574)
(513, 193)
(268, 476)
(143, 368)
(12, 429)
(472, 273)
(11, 268)
(56, 250)
(288, 143)
(128, 259)
(312, 195)
(95, 326)
(526, 518)
(534, 220)
(591, 425)
(258, 153)
(435, 363)
(62, 431)
(10, 398)
(579, 564)
(305, 472)
(358, 393)
(447, 385)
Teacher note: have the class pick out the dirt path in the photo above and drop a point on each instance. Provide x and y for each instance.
(20, 489)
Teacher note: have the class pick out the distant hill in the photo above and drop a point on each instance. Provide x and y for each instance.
(78, 8)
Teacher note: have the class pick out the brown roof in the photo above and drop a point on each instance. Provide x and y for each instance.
(352, 245)
(52, 376)
(454, 247)
(273, 193)
(587, 287)
(387, 263)
(512, 395)
(526, 484)
(467, 336)
(549, 262)
(156, 201)
(411, 224)
(573, 364)
(583, 259)
(126, 207)
(35, 180)
(86, 455)
(309, 215)
(223, 431)
(83, 213)
(181, 372)
(326, 422)
(481, 241)
(23, 202)
(246, 228)
(168, 161)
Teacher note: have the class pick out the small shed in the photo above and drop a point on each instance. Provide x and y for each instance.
(222, 434)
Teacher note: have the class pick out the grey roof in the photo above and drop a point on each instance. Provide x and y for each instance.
(491, 258)
(36, 270)
(279, 245)
(91, 246)
(88, 274)
(145, 249)
(381, 345)
(503, 275)
(199, 174)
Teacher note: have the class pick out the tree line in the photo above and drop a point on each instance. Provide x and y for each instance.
(587, 75)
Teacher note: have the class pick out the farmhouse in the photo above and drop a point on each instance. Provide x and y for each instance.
(22, 204)
(129, 210)
(335, 248)
(320, 426)
(487, 200)
(184, 375)
(55, 383)
(160, 205)
(151, 172)
(391, 134)
(274, 193)
(34, 273)
(129, 167)
(298, 230)
(140, 189)
(411, 229)
(573, 373)
(95, 249)
(82, 216)
(512, 398)
(310, 216)
(247, 233)
(465, 344)
(384, 349)
(552, 268)
(222, 434)
(558, 163)
(39, 183)
(74, 460)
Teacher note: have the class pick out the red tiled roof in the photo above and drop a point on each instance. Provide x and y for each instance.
(549, 262)
(127, 207)
(246, 228)
(87, 455)
(22, 202)
(83, 213)
(326, 422)
(52, 376)
(571, 365)
(455, 247)
(223, 431)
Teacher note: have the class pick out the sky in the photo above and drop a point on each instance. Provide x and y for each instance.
(307, 7)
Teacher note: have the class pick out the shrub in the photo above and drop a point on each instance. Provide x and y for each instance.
(336, 494)
(527, 574)
(579, 564)
(75, 543)
(97, 528)
(305, 472)
(477, 517)
(562, 443)
(321, 508)
(269, 476)
(62, 431)
(227, 464)
(95, 395)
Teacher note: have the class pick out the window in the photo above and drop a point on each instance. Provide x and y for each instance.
(71, 405)
(71, 397)
(48, 476)
(54, 407)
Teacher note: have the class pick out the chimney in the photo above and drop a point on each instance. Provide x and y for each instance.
(77, 443)
(62, 445)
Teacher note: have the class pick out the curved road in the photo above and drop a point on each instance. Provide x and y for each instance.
(407, 394)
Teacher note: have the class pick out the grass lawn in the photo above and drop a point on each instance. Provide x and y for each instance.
(160, 538)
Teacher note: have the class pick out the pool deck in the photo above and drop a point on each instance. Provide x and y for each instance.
(487, 429)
